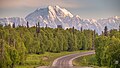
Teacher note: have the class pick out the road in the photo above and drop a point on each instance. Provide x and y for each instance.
(66, 61)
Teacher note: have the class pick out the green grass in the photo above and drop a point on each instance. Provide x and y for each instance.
(26, 66)
(35, 60)
(85, 61)
(89, 61)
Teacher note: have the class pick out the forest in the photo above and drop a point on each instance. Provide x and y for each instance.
(107, 48)
(17, 42)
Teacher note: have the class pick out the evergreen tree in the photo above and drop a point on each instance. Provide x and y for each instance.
(27, 24)
(105, 31)
(119, 28)
(46, 26)
(93, 40)
(1, 25)
(38, 28)
(13, 25)
(81, 29)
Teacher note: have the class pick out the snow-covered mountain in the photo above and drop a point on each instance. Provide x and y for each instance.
(55, 15)
(16, 20)
(51, 16)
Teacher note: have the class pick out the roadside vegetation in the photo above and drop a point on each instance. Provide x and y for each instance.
(46, 59)
(87, 61)
(107, 48)
(18, 45)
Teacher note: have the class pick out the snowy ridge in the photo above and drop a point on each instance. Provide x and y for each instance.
(16, 20)
(55, 15)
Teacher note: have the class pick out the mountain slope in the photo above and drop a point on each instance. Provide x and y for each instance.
(55, 15)
(51, 16)
(16, 20)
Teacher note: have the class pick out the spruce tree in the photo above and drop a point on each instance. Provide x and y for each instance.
(81, 29)
(73, 29)
(13, 25)
(1, 25)
(93, 40)
(38, 28)
(27, 24)
(105, 31)
(119, 28)
(46, 26)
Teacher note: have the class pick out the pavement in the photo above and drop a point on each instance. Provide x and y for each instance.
(66, 61)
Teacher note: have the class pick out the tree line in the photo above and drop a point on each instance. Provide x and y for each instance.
(107, 48)
(17, 42)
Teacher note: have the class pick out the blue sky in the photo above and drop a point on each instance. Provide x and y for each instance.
(84, 8)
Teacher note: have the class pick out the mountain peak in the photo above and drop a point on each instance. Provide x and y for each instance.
(59, 11)
(50, 7)
(116, 17)
(57, 6)
(63, 11)
(113, 17)
(55, 15)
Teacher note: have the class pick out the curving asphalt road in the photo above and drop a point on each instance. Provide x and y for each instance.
(66, 61)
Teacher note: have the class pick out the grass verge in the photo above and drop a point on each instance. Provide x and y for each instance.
(89, 61)
(35, 60)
